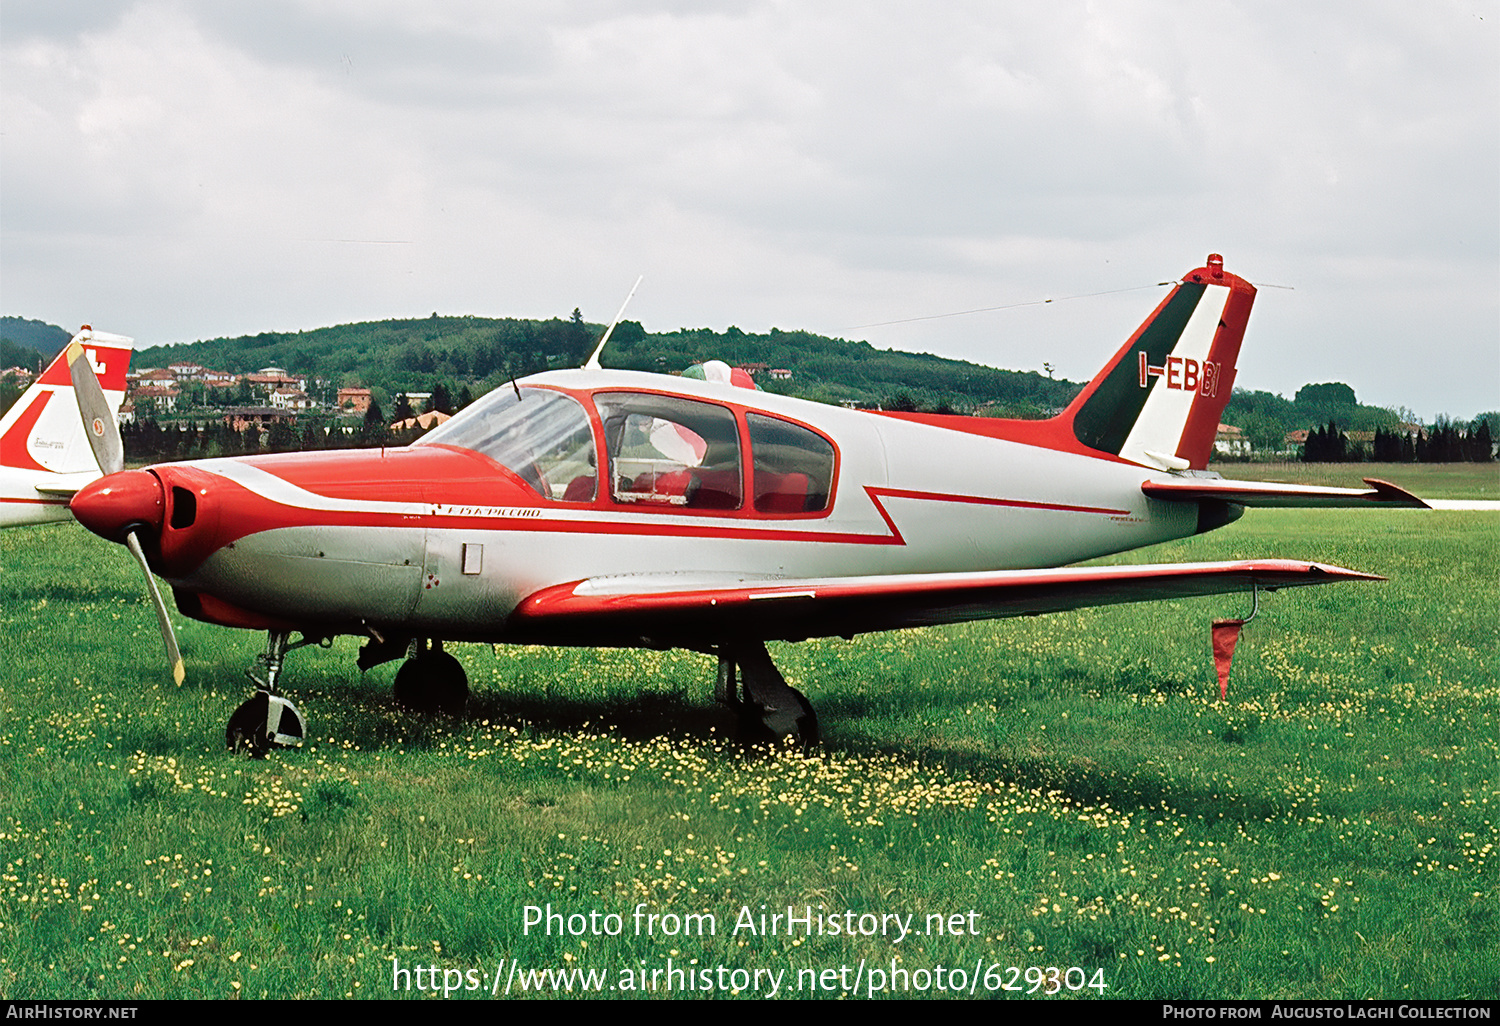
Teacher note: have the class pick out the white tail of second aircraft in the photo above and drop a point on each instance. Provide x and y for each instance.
(44, 453)
(43, 430)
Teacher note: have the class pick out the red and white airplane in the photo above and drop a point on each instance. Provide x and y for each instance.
(44, 454)
(609, 508)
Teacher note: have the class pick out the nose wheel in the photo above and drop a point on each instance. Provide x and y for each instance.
(264, 722)
(432, 681)
(268, 720)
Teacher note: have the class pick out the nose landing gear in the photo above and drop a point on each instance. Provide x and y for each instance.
(268, 720)
(264, 722)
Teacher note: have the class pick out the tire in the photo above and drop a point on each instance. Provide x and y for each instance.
(447, 682)
(433, 682)
(247, 728)
(411, 691)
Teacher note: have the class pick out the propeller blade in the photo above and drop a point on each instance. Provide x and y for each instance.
(168, 637)
(109, 451)
(99, 423)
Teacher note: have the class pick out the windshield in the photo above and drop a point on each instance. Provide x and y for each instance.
(541, 435)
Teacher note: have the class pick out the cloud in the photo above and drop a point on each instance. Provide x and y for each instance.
(197, 168)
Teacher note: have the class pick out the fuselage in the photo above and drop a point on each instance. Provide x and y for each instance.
(704, 482)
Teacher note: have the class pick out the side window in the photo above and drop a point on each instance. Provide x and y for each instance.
(666, 451)
(793, 466)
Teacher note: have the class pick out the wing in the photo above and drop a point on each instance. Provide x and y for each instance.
(669, 611)
(1263, 493)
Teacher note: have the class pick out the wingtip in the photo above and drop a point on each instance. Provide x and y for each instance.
(1387, 492)
(1343, 573)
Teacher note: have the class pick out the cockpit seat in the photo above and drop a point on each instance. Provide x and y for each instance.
(715, 489)
(580, 489)
(780, 493)
(670, 487)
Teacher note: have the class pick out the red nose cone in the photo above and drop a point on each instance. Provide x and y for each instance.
(116, 502)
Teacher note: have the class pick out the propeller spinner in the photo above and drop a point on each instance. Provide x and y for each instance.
(122, 503)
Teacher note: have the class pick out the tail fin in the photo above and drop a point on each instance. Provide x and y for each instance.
(1158, 402)
(43, 430)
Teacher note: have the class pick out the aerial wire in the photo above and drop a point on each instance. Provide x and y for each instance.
(1008, 306)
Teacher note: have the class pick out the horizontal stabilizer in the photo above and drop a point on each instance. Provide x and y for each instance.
(65, 485)
(630, 610)
(1271, 494)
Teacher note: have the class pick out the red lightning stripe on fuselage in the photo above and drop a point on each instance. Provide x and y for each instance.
(35, 502)
(875, 495)
(251, 500)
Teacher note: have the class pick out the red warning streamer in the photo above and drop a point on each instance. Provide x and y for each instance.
(1226, 633)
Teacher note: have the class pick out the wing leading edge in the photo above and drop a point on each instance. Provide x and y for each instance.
(634, 610)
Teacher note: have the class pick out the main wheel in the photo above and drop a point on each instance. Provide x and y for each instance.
(410, 689)
(792, 717)
(432, 682)
(771, 709)
(448, 682)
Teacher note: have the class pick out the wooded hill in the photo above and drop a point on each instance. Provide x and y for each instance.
(478, 353)
(482, 353)
(29, 344)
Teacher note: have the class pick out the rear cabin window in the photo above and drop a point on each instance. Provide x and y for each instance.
(793, 466)
(665, 451)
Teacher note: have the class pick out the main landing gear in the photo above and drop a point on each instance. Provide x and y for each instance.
(431, 681)
(268, 720)
(769, 708)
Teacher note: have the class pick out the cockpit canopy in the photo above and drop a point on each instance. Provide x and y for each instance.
(662, 450)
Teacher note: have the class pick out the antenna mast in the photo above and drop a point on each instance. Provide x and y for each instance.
(593, 361)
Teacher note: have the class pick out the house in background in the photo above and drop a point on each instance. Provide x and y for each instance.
(1231, 441)
(357, 398)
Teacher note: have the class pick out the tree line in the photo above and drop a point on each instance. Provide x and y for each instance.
(468, 356)
(483, 353)
(148, 440)
(1445, 443)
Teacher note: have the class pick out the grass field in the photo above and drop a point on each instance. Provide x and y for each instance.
(1071, 780)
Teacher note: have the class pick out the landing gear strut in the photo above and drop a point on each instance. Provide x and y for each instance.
(267, 720)
(770, 708)
(431, 681)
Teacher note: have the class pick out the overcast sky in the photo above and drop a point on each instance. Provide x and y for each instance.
(177, 170)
